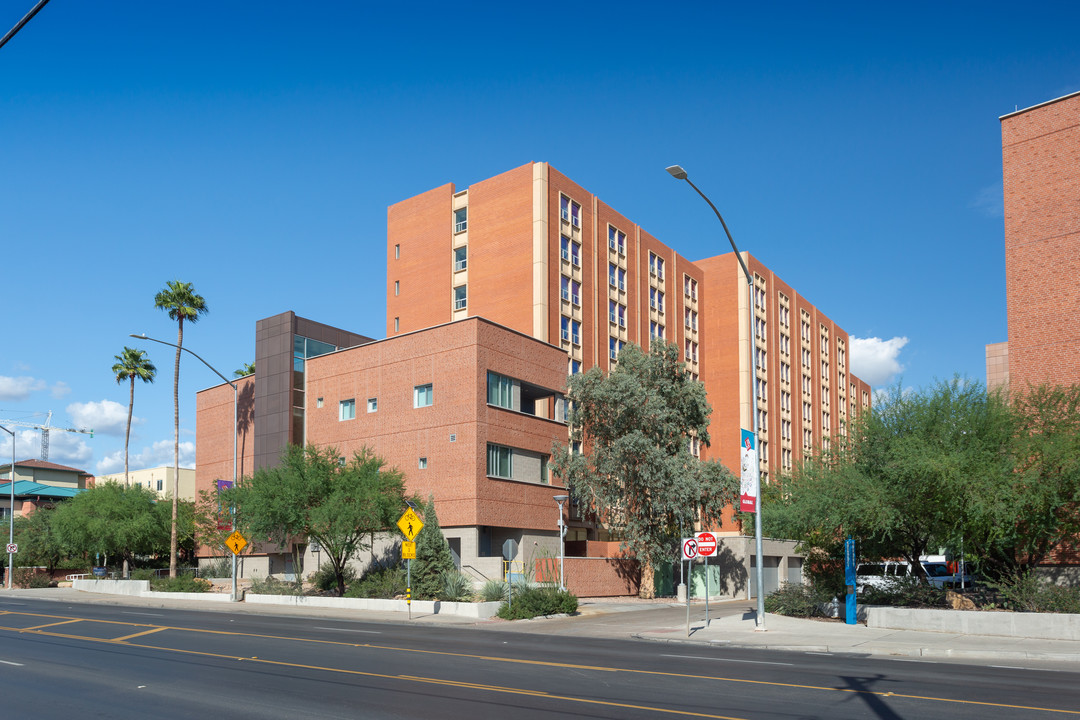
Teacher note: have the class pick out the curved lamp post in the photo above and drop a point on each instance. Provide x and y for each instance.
(679, 174)
(11, 510)
(562, 541)
(176, 480)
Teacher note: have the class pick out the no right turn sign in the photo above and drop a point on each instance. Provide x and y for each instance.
(12, 548)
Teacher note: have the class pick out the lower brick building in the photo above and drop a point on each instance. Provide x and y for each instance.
(468, 411)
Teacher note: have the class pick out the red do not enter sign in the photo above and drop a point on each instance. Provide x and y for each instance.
(706, 544)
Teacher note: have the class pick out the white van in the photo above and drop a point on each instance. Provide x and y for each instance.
(881, 574)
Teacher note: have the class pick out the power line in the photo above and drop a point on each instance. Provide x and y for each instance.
(26, 18)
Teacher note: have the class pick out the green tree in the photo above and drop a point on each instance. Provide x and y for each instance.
(314, 495)
(38, 544)
(433, 557)
(636, 472)
(902, 482)
(181, 302)
(245, 370)
(132, 364)
(112, 520)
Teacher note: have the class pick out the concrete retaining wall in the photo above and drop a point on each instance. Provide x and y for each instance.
(138, 588)
(1046, 626)
(430, 607)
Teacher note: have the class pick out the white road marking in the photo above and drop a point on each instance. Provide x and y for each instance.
(369, 632)
(819, 653)
(6, 662)
(752, 662)
(125, 612)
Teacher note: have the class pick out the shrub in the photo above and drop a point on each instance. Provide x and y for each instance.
(798, 600)
(217, 568)
(1028, 593)
(324, 579)
(493, 590)
(433, 557)
(270, 585)
(180, 583)
(904, 592)
(457, 587)
(388, 582)
(539, 601)
(31, 578)
(143, 574)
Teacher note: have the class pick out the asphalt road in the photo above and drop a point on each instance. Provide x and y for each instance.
(64, 660)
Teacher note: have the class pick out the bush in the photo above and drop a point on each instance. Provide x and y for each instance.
(217, 568)
(457, 587)
(539, 601)
(904, 592)
(180, 583)
(31, 578)
(143, 574)
(388, 582)
(798, 600)
(1028, 593)
(493, 590)
(324, 579)
(270, 585)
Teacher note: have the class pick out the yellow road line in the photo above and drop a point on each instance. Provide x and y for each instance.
(140, 634)
(62, 622)
(542, 663)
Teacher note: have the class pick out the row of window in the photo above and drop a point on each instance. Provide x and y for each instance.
(656, 266)
(616, 240)
(656, 299)
(570, 211)
(422, 397)
(571, 290)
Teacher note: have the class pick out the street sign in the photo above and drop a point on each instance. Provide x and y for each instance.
(706, 544)
(509, 549)
(689, 548)
(408, 550)
(236, 542)
(12, 548)
(410, 524)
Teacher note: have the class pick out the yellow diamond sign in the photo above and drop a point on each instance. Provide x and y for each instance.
(410, 524)
(408, 550)
(236, 542)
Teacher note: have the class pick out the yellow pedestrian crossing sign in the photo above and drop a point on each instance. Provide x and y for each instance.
(410, 524)
(408, 550)
(236, 542)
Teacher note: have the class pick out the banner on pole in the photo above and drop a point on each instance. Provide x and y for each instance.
(749, 478)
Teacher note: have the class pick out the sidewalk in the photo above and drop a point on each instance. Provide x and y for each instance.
(731, 625)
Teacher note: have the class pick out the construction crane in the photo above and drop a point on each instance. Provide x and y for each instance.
(45, 431)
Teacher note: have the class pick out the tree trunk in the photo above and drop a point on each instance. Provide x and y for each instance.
(648, 582)
(176, 449)
(127, 434)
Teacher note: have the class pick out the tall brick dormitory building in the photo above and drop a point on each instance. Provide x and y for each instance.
(495, 293)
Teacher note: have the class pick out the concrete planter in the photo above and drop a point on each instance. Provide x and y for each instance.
(428, 607)
(1045, 626)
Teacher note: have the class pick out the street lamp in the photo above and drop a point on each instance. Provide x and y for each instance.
(562, 542)
(679, 174)
(11, 511)
(176, 480)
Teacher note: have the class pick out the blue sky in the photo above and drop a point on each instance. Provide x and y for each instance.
(252, 149)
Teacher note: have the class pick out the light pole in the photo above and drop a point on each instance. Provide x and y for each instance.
(562, 542)
(679, 174)
(176, 480)
(11, 510)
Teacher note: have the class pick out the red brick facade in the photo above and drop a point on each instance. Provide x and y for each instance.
(1040, 150)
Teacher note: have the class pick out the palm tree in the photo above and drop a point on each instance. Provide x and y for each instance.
(132, 364)
(245, 370)
(180, 300)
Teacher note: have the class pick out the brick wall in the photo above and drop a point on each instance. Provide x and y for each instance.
(1041, 175)
(593, 576)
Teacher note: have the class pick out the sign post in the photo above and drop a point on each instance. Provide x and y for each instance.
(509, 549)
(410, 525)
(689, 552)
(706, 548)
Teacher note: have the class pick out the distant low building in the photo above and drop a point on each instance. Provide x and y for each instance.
(39, 483)
(157, 479)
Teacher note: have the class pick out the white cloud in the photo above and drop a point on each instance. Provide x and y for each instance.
(876, 360)
(107, 417)
(65, 448)
(160, 453)
(19, 388)
(60, 389)
(990, 201)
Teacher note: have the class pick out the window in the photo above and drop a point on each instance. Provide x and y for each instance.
(570, 211)
(785, 344)
(759, 328)
(500, 390)
(397, 324)
(346, 410)
(461, 219)
(762, 388)
(652, 298)
(805, 358)
(571, 290)
(571, 251)
(656, 330)
(616, 240)
(422, 463)
(575, 214)
(422, 396)
(614, 346)
(759, 296)
(397, 252)
(785, 400)
(500, 461)
(461, 258)
(617, 313)
(616, 277)
(659, 301)
(575, 366)
(571, 330)
(372, 405)
(564, 208)
(690, 287)
(656, 265)
(160, 484)
(806, 411)
(460, 297)
(805, 331)
(318, 402)
(762, 358)
(785, 372)
(397, 287)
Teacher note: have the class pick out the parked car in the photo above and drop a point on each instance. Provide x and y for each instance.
(881, 574)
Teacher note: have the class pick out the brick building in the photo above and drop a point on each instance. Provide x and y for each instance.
(1040, 157)
(534, 251)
